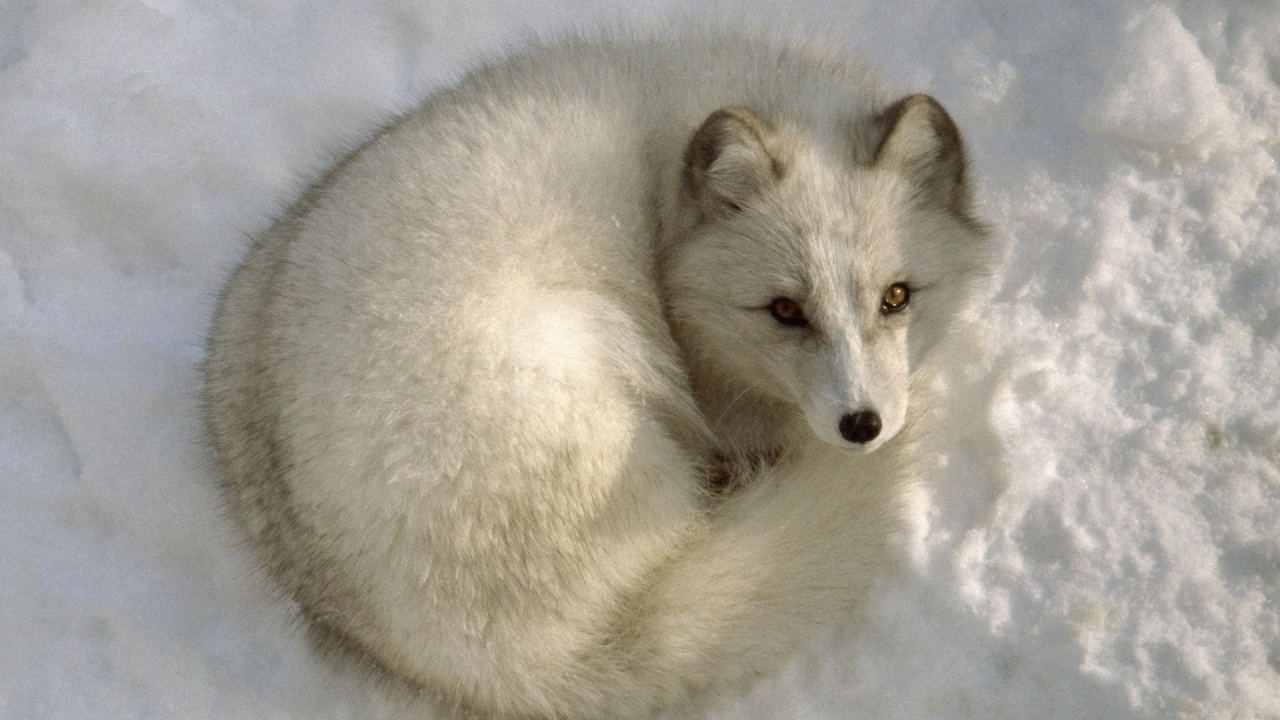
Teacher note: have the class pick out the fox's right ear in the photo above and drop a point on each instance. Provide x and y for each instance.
(730, 159)
(918, 137)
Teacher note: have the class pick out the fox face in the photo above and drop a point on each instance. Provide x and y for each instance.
(823, 267)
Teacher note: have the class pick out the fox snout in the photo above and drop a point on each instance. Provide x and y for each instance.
(860, 427)
(854, 395)
(861, 430)
(854, 399)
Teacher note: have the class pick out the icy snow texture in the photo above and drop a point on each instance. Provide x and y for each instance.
(1100, 537)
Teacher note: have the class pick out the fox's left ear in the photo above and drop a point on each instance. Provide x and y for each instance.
(919, 137)
(731, 159)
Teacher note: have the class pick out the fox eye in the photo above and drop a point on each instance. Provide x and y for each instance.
(787, 312)
(895, 298)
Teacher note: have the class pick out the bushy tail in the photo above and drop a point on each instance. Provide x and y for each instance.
(788, 555)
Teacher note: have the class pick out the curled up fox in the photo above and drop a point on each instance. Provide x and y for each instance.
(593, 381)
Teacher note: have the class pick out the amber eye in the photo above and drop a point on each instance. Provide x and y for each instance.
(787, 312)
(895, 298)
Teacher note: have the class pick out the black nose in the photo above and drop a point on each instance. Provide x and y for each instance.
(860, 427)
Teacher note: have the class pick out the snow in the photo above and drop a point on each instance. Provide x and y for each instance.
(1099, 534)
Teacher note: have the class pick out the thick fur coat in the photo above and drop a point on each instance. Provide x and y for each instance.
(588, 383)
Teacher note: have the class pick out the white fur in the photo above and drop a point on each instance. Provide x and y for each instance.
(471, 392)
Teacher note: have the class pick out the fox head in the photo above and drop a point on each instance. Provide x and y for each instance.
(825, 260)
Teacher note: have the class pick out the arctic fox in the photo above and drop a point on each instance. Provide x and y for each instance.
(587, 384)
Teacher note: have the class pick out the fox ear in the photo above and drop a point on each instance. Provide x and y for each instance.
(919, 137)
(730, 160)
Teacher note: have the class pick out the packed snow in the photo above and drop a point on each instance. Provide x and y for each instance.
(1098, 535)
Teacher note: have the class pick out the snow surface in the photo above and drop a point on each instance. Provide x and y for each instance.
(1100, 537)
